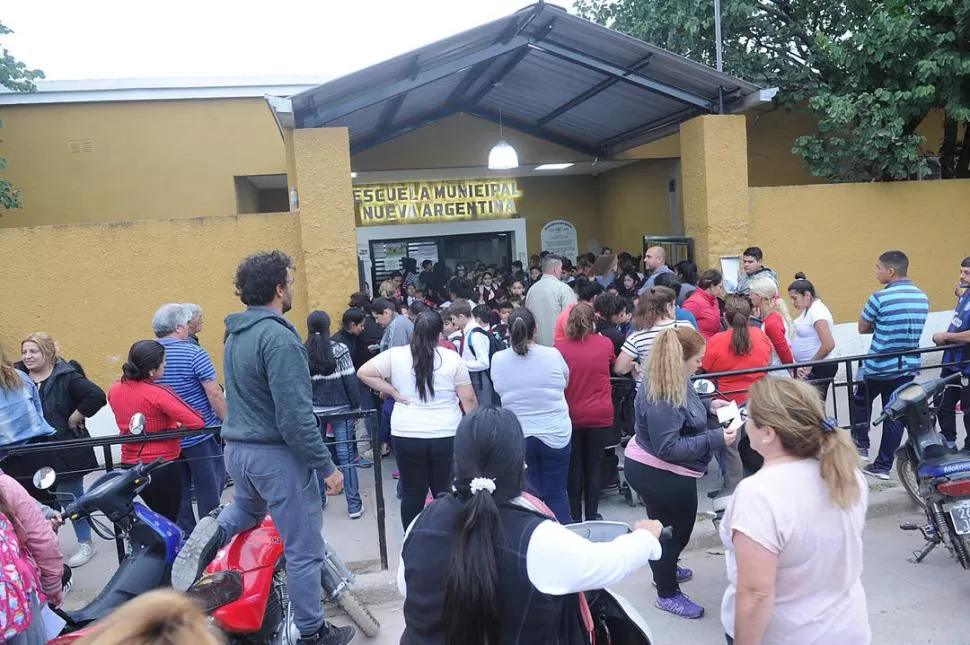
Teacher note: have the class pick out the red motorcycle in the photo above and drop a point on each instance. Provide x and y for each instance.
(244, 589)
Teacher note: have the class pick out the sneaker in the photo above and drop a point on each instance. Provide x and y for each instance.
(863, 453)
(356, 515)
(680, 605)
(199, 550)
(329, 635)
(363, 463)
(878, 473)
(85, 551)
(684, 575)
(396, 474)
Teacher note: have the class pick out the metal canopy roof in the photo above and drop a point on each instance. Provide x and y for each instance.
(549, 74)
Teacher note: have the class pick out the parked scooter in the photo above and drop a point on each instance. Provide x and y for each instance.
(152, 540)
(938, 475)
(244, 587)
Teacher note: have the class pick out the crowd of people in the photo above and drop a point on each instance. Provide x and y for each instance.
(491, 382)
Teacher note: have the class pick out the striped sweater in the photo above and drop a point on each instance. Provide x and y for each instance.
(340, 388)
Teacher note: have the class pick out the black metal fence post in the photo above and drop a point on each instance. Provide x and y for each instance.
(375, 444)
(109, 465)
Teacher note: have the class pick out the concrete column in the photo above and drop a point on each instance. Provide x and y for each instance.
(714, 166)
(327, 222)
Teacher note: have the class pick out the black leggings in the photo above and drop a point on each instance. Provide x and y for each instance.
(424, 464)
(671, 500)
(821, 377)
(164, 493)
(586, 470)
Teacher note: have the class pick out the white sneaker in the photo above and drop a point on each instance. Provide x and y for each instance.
(85, 551)
(356, 515)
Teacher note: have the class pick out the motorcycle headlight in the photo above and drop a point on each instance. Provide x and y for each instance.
(216, 590)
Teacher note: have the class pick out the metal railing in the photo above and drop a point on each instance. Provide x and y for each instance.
(107, 443)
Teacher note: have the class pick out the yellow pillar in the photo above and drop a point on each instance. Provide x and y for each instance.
(327, 224)
(714, 168)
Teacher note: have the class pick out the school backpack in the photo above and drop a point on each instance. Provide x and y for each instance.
(18, 581)
(494, 345)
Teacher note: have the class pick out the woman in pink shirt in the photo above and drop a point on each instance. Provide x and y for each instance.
(795, 570)
(704, 305)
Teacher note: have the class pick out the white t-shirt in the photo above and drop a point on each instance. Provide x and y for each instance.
(640, 343)
(818, 585)
(440, 415)
(806, 340)
(534, 388)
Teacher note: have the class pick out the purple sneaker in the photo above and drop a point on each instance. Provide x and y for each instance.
(681, 605)
(684, 575)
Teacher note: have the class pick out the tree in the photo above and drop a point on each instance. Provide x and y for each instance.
(870, 70)
(17, 77)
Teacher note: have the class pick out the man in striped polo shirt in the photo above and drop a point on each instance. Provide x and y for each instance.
(895, 316)
(189, 372)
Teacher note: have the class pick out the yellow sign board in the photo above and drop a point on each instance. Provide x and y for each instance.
(435, 201)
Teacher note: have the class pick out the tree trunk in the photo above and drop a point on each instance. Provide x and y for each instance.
(948, 150)
(962, 169)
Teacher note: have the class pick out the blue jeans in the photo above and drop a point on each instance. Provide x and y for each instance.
(203, 467)
(368, 402)
(344, 431)
(271, 478)
(75, 487)
(548, 475)
(892, 431)
(386, 409)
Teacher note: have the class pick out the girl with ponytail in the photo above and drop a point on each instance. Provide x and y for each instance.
(790, 560)
(481, 567)
(772, 313)
(741, 347)
(534, 379)
(335, 389)
(137, 392)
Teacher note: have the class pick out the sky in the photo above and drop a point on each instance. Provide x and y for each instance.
(92, 39)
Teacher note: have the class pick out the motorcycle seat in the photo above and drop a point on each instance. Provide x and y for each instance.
(949, 464)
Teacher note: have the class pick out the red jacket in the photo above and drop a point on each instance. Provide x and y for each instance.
(774, 327)
(163, 410)
(588, 393)
(707, 312)
(720, 357)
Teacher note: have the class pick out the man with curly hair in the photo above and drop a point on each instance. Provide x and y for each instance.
(273, 443)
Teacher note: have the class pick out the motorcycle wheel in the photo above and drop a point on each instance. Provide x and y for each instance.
(354, 608)
(906, 473)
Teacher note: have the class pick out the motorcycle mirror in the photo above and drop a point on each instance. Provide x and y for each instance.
(965, 380)
(704, 386)
(44, 478)
(137, 424)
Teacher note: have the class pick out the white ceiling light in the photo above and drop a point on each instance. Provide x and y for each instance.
(353, 175)
(503, 156)
(554, 166)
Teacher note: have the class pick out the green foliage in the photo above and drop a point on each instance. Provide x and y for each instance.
(17, 77)
(870, 70)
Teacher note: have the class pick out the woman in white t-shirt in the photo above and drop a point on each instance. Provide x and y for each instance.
(813, 338)
(426, 382)
(655, 312)
(793, 530)
(531, 380)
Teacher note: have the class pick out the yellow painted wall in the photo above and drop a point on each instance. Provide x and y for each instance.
(633, 202)
(94, 287)
(147, 159)
(835, 233)
(459, 141)
(549, 198)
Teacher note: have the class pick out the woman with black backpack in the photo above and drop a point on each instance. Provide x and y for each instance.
(335, 389)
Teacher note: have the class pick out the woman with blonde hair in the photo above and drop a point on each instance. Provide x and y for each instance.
(795, 569)
(772, 312)
(160, 617)
(670, 452)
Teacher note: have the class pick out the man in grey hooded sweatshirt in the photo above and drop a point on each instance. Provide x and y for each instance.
(273, 443)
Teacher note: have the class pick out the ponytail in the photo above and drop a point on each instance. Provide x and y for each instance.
(667, 376)
(318, 346)
(839, 461)
(424, 348)
(522, 329)
(473, 610)
(737, 311)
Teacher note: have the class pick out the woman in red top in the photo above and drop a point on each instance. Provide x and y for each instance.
(775, 319)
(741, 347)
(589, 358)
(164, 410)
(703, 303)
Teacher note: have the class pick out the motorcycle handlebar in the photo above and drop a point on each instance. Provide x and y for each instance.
(140, 470)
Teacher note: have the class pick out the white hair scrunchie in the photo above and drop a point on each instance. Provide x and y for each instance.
(479, 484)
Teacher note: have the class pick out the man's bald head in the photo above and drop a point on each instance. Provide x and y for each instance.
(656, 257)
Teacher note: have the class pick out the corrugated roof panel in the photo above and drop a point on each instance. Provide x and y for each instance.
(426, 98)
(360, 123)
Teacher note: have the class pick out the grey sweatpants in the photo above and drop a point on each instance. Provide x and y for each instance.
(271, 478)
